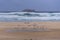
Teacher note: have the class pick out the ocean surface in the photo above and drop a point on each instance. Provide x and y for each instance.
(29, 16)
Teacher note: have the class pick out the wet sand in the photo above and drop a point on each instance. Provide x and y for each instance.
(54, 34)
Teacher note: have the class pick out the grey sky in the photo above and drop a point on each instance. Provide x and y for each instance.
(41, 5)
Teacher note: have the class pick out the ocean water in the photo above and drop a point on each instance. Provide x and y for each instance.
(29, 16)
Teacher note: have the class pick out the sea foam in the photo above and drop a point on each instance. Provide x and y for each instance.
(25, 16)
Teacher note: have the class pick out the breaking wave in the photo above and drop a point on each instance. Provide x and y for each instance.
(29, 16)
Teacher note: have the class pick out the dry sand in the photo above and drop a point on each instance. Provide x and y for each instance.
(54, 34)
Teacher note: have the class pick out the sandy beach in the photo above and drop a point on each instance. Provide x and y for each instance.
(48, 25)
(52, 34)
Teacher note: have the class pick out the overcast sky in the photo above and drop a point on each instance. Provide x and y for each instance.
(41, 5)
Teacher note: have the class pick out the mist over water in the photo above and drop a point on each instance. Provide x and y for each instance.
(29, 16)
